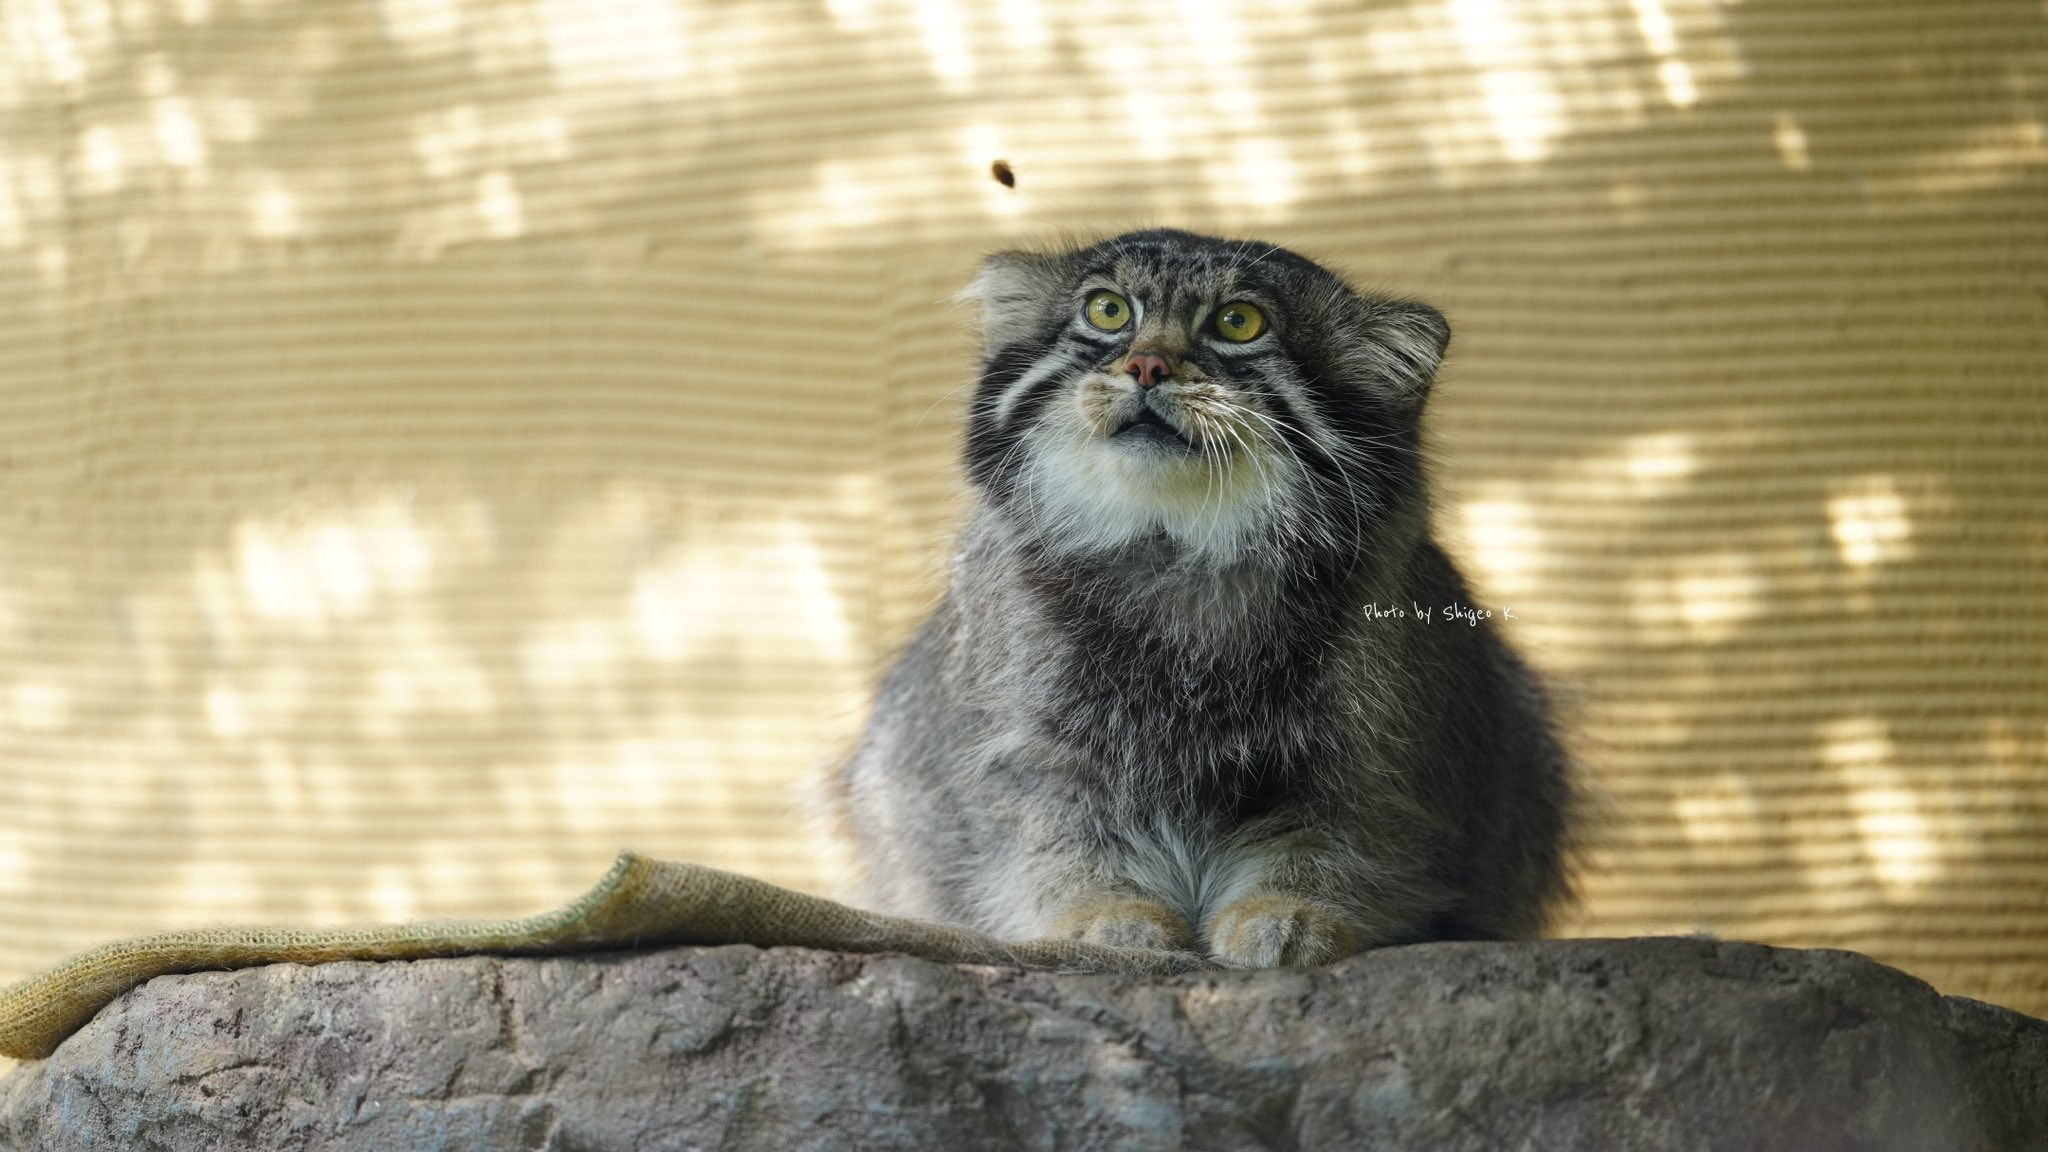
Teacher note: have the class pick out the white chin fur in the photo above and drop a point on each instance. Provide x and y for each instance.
(1093, 494)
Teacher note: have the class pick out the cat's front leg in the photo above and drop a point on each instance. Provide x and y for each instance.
(1054, 873)
(1123, 920)
(1279, 929)
(1299, 899)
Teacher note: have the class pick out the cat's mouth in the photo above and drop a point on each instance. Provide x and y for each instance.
(1152, 428)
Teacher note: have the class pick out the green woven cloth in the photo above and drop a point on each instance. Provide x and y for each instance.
(639, 903)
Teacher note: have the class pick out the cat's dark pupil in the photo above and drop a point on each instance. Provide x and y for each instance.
(1110, 309)
(1233, 319)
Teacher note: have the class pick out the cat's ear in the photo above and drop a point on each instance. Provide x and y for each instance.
(1014, 290)
(1407, 341)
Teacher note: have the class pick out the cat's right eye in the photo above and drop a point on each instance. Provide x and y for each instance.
(1108, 311)
(1239, 322)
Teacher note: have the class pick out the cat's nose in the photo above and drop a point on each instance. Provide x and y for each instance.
(1148, 366)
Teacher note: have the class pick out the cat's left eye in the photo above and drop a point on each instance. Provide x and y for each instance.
(1239, 322)
(1108, 311)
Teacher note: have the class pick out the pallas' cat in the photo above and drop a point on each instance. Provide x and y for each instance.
(1164, 703)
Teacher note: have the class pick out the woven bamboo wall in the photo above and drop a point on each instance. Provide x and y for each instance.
(445, 441)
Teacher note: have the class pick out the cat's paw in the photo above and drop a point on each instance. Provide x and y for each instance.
(1269, 930)
(1127, 922)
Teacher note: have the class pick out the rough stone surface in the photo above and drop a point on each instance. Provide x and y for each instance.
(1644, 1044)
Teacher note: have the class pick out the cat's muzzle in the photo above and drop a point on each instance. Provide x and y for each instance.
(1149, 426)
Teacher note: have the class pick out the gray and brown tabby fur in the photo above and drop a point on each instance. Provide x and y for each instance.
(1154, 708)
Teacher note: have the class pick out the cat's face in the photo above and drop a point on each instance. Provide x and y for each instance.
(1221, 394)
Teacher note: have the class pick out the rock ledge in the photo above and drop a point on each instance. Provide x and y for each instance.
(1588, 1044)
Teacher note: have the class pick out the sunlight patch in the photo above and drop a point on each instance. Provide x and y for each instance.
(1870, 524)
(1895, 832)
(604, 42)
(1507, 543)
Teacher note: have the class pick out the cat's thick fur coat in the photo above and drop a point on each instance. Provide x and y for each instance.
(1155, 708)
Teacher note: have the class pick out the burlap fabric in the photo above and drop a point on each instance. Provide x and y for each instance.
(639, 903)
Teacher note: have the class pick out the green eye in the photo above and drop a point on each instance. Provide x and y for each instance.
(1239, 322)
(1108, 311)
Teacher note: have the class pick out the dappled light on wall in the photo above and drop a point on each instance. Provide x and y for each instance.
(1186, 88)
(1869, 522)
(1898, 842)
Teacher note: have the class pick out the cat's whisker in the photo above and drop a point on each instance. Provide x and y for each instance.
(1279, 428)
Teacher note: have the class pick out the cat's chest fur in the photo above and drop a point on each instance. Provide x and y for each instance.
(1220, 688)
